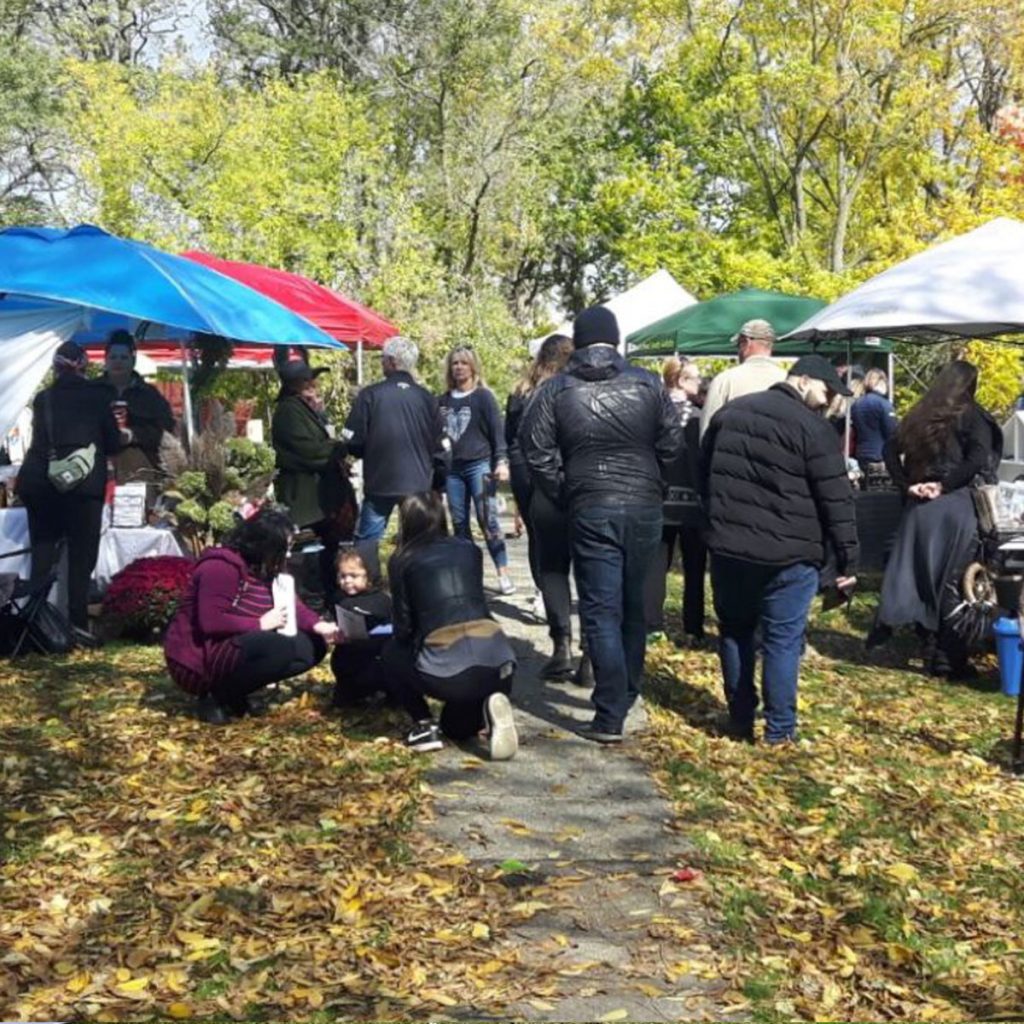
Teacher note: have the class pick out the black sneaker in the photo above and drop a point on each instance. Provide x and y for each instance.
(425, 736)
(591, 732)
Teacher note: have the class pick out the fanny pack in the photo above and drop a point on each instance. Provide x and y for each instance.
(67, 473)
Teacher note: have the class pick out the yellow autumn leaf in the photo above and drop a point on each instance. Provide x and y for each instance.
(902, 872)
(78, 982)
(615, 1015)
(135, 985)
(179, 1011)
(480, 931)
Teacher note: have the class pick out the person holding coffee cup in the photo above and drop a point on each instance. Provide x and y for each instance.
(142, 414)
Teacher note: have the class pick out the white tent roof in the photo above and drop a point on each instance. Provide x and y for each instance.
(971, 287)
(655, 297)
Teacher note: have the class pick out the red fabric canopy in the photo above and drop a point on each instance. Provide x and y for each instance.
(168, 353)
(341, 318)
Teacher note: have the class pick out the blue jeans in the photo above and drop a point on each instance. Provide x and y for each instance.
(373, 516)
(612, 547)
(465, 486)
(747, 595)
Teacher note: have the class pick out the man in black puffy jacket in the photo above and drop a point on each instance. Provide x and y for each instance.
(777, 496)
(596, 439)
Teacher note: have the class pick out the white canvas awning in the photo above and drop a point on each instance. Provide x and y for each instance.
(969, 287)
(29, 338)
(655, 297)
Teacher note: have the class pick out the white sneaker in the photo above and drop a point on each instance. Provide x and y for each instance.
(502, 738)
(505, 585)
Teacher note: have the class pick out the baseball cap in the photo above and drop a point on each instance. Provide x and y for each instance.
(755, 330)
(297, 370)
(819, 368)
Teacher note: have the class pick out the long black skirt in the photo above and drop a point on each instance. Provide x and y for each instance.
(935, 542)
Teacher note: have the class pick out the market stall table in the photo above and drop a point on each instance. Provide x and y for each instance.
(119, 546)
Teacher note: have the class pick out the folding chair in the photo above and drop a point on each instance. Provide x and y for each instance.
(27, 619)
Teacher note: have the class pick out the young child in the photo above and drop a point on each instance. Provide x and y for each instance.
(356, 661)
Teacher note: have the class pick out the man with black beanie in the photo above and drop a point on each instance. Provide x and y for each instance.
(596, 439)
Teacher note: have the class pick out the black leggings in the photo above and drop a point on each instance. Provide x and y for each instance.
(78, 520)
(695, 559)
(522, 491)
(463, 694)
(551, 532)
(268, 657)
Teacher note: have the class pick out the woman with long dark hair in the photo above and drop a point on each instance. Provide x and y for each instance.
(228, 636)
(943, 445)
(446, 645)
(548, 544)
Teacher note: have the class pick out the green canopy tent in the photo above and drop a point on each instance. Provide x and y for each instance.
(707, 328)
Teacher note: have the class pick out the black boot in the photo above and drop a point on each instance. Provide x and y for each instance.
(212, 711)
(559, 665)
(585, 673)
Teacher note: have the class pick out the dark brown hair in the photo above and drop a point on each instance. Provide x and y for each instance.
(263, 540)
(421, 519)
(927, 430)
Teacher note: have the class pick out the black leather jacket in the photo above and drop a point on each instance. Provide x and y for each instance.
(436, 584)
(600, 433)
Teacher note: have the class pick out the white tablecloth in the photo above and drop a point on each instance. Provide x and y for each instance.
(118, 546)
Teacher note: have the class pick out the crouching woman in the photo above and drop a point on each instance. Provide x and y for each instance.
(223, 642)
(446, 645)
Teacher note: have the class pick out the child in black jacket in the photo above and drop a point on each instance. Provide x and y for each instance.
(364, 609)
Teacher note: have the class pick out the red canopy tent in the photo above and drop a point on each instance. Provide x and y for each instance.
(342, 318)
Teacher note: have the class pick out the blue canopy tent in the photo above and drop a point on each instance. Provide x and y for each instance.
(51, 281)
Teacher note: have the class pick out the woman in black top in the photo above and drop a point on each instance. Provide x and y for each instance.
(473, 424)
(944, 443)
(73, 413)
(446, 645)
(547, 525)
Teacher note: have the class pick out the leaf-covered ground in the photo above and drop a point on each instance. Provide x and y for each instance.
(155, 867)
(874, 871)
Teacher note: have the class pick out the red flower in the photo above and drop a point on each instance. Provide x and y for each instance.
(144, 596)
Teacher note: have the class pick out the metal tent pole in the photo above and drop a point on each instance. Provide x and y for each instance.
(849, 380)
(359, 362)
(186, 396)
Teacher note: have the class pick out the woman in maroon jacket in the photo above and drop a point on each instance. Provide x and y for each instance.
(223, 642)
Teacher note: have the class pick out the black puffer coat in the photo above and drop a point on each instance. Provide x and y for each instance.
(775, 484)
(600, 433)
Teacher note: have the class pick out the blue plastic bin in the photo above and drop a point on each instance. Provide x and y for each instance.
(1010, 654)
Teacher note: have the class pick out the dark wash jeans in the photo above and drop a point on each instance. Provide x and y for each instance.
(612, 548)
(748, 594)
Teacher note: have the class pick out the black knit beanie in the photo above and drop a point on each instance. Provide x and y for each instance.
(595, 326)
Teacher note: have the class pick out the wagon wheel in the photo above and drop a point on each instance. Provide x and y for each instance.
(977, 585)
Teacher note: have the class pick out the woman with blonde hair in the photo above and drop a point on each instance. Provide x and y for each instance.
(873, 420)
(473, 424)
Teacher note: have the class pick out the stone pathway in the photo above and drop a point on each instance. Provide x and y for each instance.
(617, 937)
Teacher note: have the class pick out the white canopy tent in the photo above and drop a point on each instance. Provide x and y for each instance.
(29, 338)
(969, 287)
(655, 297)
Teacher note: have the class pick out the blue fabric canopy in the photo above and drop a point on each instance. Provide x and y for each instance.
(89, 268)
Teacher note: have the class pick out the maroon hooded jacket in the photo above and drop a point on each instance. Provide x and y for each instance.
(224, 600)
